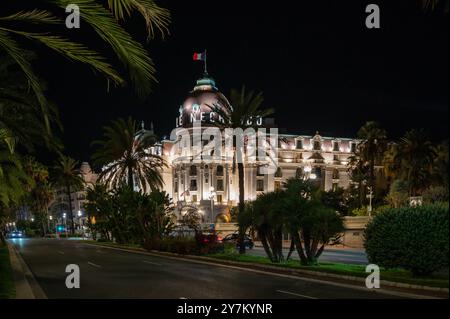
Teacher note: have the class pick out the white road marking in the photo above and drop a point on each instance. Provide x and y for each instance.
(61, 252)
(295, 294)
(182, 298)
(151, 263)
(94, 265)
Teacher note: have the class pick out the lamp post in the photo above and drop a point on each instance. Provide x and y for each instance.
(212, 193)
(65, 223)
(370, 196)
(50, 218)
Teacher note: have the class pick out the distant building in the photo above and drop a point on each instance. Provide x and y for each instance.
(60, 204)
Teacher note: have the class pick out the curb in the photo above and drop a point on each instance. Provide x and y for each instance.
(414, 290)
(24, 281)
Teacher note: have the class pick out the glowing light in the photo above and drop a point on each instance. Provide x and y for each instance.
(312, 176)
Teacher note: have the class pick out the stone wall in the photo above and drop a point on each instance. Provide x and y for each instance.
(352, 237)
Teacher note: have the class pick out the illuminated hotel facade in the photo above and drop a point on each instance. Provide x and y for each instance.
(211, 187)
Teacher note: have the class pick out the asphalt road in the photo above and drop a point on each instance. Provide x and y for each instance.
(107, 273)
(346, 256)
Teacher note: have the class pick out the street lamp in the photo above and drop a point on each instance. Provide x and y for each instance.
(370, 197)
(212, 193)
(65, 223)
(50, 218)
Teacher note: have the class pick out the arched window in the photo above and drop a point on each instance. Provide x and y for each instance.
(193, 170)
(279, 172)
(317, 145)
(219, 171)
(318, 172)
(335, 174)
(299, 172)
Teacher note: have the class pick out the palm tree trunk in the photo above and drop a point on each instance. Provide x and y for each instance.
(240, 166)
(130, 177)
(72, 226)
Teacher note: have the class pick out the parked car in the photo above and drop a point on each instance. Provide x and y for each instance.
(16, 234)
(208, 237)
(234, 238)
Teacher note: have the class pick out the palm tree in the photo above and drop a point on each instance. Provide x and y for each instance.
(441, 165)
(125, 155)
(415, 156)
(244, 108)
(372, 147)
(67, 175)
(40, 194)
(105, 22)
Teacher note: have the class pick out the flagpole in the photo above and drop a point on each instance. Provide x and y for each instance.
(206, 70)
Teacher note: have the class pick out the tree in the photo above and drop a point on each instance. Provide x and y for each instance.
(266, 216)
(125, 155)
(40, 194)
(67, 175)
(398, 194)
(415, 155)
(244, 109)
(310, 223)
(440, 166)
(336, 199)
(371, 148)
(21, 25)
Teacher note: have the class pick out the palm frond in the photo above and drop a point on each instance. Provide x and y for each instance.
(131, 53)
(156, 18)
(74, 51)
(18, 54)
(34, 16)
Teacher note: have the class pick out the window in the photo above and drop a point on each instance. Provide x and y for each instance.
(299, 144)
(353, 147)
(279, 173)
(336, 146)
(193, 185)
(277, 185)
(335, 174)
(299, 172)
(318, 172)
(219, 171)
(219, 198)
(219, 185)
(335, 186)
(336, 158)
(194, 198)
(259, 171)
(260, 185)
(317, 145)
(176, 187)
(193, 170)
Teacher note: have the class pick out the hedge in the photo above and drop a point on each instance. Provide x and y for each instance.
(412, 238)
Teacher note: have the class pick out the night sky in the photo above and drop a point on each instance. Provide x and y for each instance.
(317, 65)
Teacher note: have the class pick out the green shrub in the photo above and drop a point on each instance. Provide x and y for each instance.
(415, 239)
(184, 246)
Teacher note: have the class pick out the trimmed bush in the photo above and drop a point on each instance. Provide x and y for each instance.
(415, 239)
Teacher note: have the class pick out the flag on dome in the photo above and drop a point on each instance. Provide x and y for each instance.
(200, 56)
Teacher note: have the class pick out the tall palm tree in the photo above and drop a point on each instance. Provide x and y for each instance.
(372, 147)
(415, 156)
(66, 174)
(243, 109)
(104, 21)
(441, 165)
(40, 194)
(124, 153)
